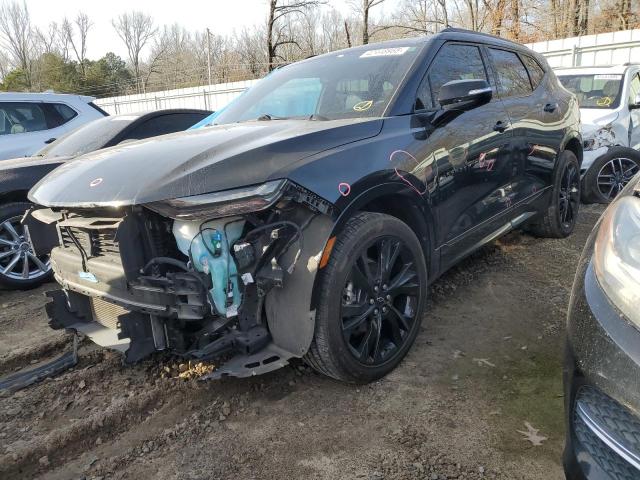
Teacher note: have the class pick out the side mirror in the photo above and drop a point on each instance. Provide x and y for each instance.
(636, 103)
(464, 95)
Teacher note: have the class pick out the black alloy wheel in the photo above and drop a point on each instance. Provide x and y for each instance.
(379, 302)
(370, 299)
(569, 196)
(559, 217)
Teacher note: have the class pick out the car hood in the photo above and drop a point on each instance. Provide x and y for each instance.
(194, 162)
(24, 162)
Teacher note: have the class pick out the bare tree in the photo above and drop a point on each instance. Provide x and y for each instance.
(16, 35)
(363, 9)
(346, 31)
(135, 29)
(78, 42)
(277, 34)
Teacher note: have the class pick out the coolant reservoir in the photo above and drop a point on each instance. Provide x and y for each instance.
(209, 244)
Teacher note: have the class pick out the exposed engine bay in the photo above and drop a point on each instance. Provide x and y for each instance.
(237, 287)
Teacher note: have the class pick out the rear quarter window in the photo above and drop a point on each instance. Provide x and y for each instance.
(513, 80)
(58, 114)
(536, 73)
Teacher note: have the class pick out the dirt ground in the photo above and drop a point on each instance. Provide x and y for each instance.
(486, 367)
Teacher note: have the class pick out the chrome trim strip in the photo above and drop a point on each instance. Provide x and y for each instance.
(629, 456)
(478, 91)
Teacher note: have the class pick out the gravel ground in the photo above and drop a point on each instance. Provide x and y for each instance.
(485, 368)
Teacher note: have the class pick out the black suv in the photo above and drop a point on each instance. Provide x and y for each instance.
(308, 220)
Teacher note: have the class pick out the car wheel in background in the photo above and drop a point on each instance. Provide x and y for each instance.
(609, 174)
(372, 296)
(20, 268)
(559, 219)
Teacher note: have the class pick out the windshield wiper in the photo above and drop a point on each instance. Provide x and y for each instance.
(315, 116)
(268, 116)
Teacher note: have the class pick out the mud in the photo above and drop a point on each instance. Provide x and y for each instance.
(488, 359)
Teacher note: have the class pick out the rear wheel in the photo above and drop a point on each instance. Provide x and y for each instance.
(19, 266)
(559, 219)
(372, 295)
(609, 174)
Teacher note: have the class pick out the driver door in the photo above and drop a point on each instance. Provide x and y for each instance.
(471, 154)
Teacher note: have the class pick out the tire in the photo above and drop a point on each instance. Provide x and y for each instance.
(13, 246)
(394, 317)
(614, 168)
(565, 197)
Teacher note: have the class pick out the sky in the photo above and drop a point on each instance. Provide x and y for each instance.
(220, 16)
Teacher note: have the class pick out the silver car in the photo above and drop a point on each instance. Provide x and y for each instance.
(609, 99)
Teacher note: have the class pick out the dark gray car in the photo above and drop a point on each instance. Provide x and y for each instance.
(19, 266)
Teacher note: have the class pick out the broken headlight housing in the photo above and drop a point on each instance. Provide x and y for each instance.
(603, 136)
(616, 258)
(225, 203)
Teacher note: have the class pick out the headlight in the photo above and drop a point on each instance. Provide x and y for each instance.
(616, 258)
(221, 204)
(603, 137)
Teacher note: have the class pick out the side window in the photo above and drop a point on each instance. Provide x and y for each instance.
(22, 117)
(634, 88)
(535, 70)
(512, 76)
(162, 125)
(58, 114)
(453, 62)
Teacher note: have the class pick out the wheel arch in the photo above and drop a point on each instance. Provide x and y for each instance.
(392, 199)
(574, 145)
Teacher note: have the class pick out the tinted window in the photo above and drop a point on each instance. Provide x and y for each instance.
(512, 76)
(22, 117)
(535, 71)
(89, 137)
(66, 112)
(161, 125)
(594, 91)
(345, 84)
(634, 89)
(453, 62)
(57, 114)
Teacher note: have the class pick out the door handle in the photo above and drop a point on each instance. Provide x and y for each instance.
(550, 107)
(51, 140)
(500, 126)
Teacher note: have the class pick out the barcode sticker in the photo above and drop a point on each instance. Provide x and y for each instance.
(385, 52)
(607, 77)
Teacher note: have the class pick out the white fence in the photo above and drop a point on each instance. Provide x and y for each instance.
(589, 50)
(208, 97)
(613, 48)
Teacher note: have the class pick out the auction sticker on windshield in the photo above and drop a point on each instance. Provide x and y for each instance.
(385, 52)
(607, 77)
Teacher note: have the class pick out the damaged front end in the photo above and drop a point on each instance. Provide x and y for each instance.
(223, 275)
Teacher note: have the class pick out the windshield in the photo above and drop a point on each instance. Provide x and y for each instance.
(345, 84)
(594, 91)
(92, 136)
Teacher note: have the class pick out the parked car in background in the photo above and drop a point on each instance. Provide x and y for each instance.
(602, 366)
(310, 218)
(19, 266)
(29, 121)
(609, 99)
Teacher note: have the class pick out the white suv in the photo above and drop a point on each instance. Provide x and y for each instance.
(609, 99)
(30, 121)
